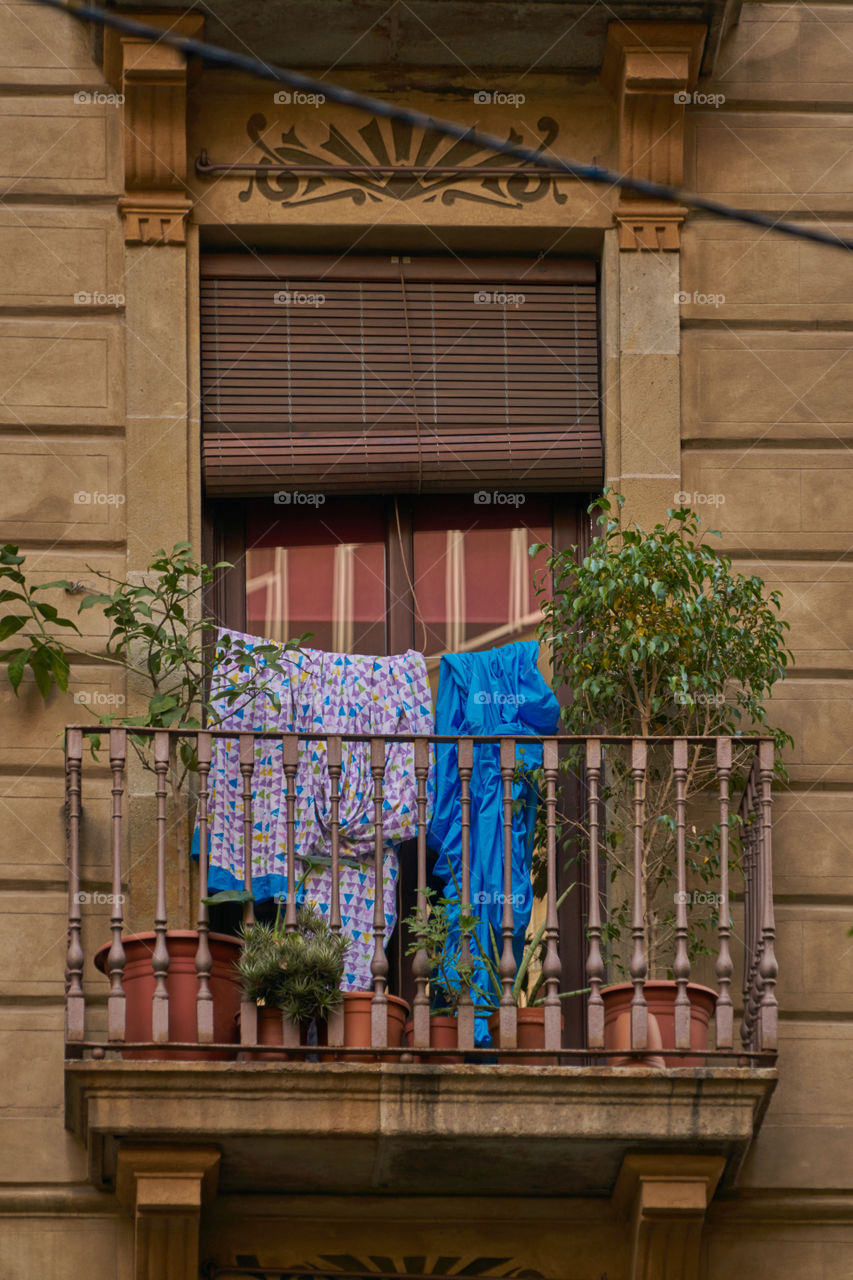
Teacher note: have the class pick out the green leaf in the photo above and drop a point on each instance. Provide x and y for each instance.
(15, 669)
(40, 666)
(11, 624)
(229, 895)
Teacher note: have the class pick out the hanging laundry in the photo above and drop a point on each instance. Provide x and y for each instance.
(495, 692)
(337, 694)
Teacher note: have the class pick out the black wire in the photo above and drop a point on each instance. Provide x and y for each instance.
(418, 119)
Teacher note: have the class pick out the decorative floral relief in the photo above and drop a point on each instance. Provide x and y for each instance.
(382, 142)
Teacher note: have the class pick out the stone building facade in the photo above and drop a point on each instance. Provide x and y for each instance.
(725, 375)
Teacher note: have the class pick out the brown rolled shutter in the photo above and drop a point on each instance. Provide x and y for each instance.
(377, 376)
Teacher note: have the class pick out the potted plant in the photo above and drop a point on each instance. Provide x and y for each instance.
(450, 980)
(295, 973)
(439, 927)
(653, 633)
(526, 993)
(156, 638)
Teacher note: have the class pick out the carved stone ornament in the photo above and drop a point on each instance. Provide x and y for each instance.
(153, 79)
(650, 67)
(381, 143)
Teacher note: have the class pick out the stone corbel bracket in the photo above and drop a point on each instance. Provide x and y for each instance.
(164, 1189)
(650, 68)
(664, 1198)
(153, 79)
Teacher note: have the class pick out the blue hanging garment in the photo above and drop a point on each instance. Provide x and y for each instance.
(496, 692)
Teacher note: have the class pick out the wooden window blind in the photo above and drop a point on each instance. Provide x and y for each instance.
(377, 375)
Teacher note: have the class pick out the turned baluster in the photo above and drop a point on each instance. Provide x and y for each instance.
(465, 1015)
(723, 1016)
(639, 968)
(768, 1013)
(290, 764)
(379, 963)
(594, 963)
(551, 968)
(334, 759)
(420, 962)
(506, 970)
(116, 959)
(291, 1032)
(75, 1000)
(681, 962)
(203, 957)
(160, 957)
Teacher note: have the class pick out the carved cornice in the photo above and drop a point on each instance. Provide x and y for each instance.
(649, 67)
(153, 79)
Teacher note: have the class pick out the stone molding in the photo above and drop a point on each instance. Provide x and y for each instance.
(649, 68)
(337, 1127)
(153, 79)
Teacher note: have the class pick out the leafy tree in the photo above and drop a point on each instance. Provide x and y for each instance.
(653, 633)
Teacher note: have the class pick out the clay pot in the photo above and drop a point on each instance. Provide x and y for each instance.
(182, 986)
(442, 1035)
(530, 1034)
(660, 998)
(269, 1032)
(357, 1006)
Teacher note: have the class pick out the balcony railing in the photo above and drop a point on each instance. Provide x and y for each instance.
(748, 950)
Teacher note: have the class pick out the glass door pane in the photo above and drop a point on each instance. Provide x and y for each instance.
(318, 569)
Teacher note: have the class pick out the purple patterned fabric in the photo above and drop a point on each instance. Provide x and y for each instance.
(335, 693)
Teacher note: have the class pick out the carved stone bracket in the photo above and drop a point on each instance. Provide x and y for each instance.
(649, 67)
(153, 79)
(164, 1187)
(665, 1198)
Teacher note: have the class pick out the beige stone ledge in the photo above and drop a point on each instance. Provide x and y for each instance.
(369, 1128)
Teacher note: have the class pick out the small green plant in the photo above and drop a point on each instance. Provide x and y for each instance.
(440, 926)
(652, 633)
(298, 972)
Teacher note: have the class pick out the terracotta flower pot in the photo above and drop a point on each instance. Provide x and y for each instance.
(530, 1035)
(660, 998)
(182, 986)
(357, 1006)
(270, 1031)
(442, 1035)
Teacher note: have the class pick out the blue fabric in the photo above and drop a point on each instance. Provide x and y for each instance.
(495, 692)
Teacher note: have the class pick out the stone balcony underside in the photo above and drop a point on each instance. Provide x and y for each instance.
(375, 1128)
(552, 35)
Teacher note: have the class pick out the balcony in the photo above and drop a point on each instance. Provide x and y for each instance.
(380, 1112)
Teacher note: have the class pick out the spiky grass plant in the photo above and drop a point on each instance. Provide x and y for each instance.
(299, 972)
